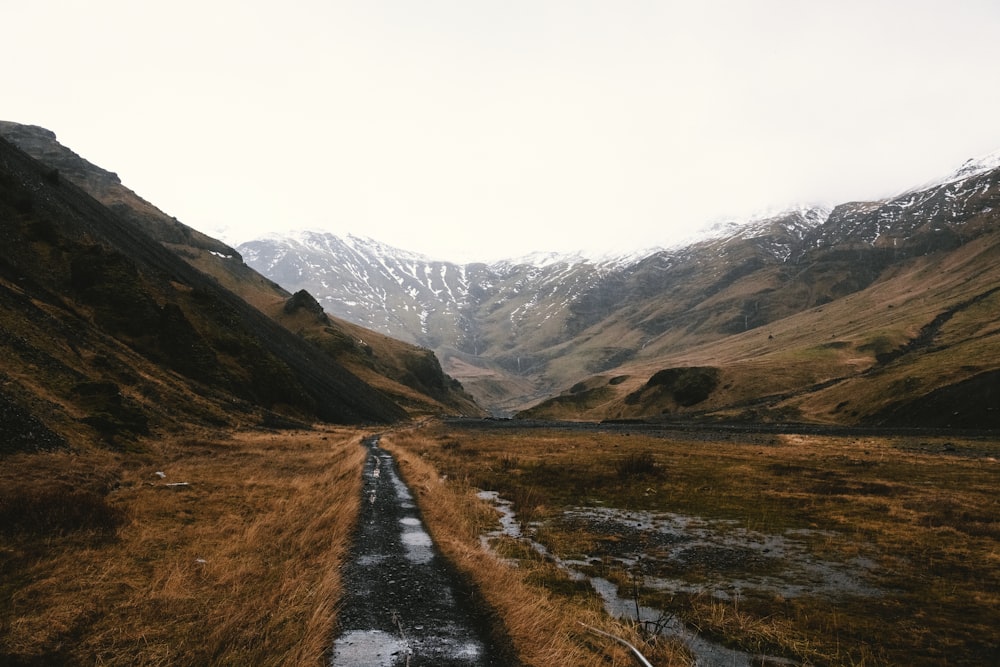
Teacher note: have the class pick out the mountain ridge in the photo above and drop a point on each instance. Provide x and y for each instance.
(514, 332)
(837, 303)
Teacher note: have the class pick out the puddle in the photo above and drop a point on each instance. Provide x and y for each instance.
(375, 648)
(724, 559)
(402, 492)
(369, 647)
(416, 541)
(508, 520)
(705, 652)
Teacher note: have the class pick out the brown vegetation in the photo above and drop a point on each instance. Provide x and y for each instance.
(104, 562)
(922, 513)
(928, 324)
(540, 607)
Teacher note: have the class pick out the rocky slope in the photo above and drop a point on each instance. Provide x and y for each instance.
(106, 187)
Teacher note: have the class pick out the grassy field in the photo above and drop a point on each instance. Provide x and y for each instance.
(546, 616)
(231, 556)
(879, 551)
(102, 562)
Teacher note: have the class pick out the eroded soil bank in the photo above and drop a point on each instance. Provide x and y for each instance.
(403, 604)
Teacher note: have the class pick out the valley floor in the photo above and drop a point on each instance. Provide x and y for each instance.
(231, 548)
(843, 548)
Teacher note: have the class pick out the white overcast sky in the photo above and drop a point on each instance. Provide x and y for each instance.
(470, 129)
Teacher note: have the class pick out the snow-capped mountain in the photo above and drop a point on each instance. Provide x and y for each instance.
(504, 313)
(412, 297)
(546, 317)
(364, 281)
(940, 214)
(969, 169)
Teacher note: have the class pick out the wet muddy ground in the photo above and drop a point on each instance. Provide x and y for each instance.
(838, 548)
(720, 558)
(403, 604)
(679, 553)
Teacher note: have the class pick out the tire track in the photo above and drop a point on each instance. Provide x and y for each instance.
(403, 604)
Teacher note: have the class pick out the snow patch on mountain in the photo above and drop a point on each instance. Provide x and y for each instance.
(398, 261)
(970, 168)
(597, 259)
(797, 221)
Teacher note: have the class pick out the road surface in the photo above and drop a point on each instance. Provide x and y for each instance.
(403, 603)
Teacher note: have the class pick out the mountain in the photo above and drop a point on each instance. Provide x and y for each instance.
(117, 321)
(107, 188)
(788, 316)
(477, 317)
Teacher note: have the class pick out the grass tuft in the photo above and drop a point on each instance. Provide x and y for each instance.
(638, 464)
(40, 511)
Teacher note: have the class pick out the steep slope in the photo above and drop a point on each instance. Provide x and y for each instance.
(107, 334)
(106, 187)
(387, 364)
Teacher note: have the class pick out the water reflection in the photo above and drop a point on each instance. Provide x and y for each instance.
(729, 560)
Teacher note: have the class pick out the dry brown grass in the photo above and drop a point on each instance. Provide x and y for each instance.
(543, 624)
(103, 564)
(923, 510)
(239, 567)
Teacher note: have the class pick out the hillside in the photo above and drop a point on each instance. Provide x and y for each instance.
(107, 188)
(108, 335)
(161, 289)
(797, 315)
(886, 313)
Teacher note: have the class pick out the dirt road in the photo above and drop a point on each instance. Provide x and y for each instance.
(403, 604)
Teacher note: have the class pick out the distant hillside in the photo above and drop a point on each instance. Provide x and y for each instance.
(791, 311)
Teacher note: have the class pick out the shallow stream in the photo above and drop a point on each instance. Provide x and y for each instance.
(729, 560)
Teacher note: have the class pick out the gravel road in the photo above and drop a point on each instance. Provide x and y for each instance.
(403, 603)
